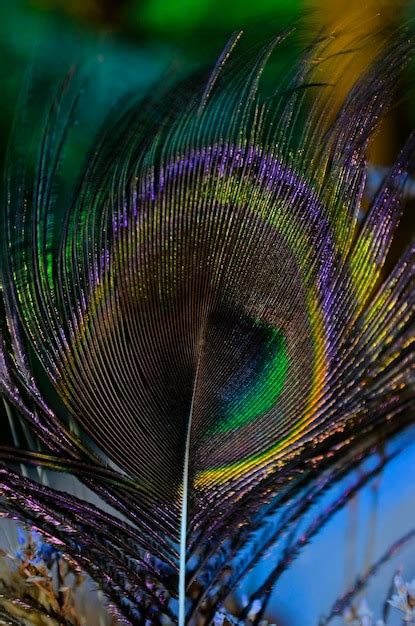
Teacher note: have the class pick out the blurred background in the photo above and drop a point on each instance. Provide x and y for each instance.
(137, 44)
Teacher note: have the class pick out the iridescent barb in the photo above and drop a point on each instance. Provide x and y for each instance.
(210, 319)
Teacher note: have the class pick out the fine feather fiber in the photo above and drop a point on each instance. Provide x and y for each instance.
(200, 329)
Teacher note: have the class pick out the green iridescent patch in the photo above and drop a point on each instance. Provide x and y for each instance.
(261, 390)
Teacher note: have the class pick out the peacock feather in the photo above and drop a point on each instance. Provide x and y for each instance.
(200, 329)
